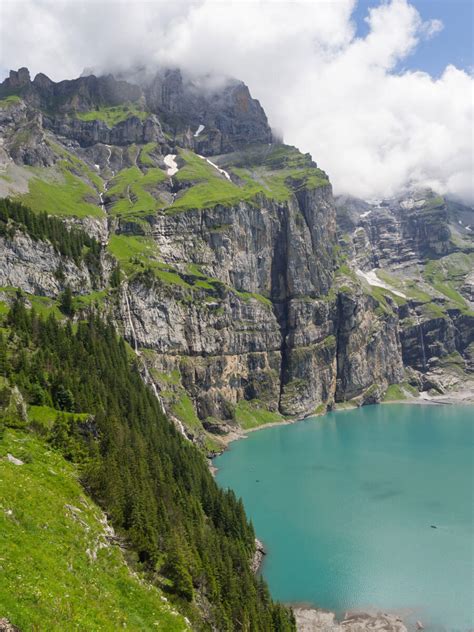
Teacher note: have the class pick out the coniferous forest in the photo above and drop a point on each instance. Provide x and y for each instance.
(190, 537)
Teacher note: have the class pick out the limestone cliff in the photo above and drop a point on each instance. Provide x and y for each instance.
(249, 293)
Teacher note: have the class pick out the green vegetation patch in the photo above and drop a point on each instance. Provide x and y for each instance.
(113, 115)
(145, 158)
(61, 193)
(276, 179)
(13, 99)
(138, 254)
(447, 273)
(454, 362)
(45, 416)
(137, 191)
(251, 414)
(128, 248)
(393, 393)
(209, 187)
(183, 409)
(320, 409)
(247, 296)
(85, 301)
(42, 305)
(45, 306)
(54, 554)
(434, 202)
(77, 166)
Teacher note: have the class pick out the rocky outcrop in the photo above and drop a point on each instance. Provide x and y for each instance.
(258, 556)
(35, 267)
(82, 94)
(425, 341)
(368, 348)
(229, 116)
(6, 626)
(400, 231)
(23, 136)
(87, 133)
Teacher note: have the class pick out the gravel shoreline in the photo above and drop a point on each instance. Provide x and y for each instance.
(316, 620)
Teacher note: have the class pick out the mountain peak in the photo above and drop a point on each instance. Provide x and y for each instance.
(231, 117)
(18, 78)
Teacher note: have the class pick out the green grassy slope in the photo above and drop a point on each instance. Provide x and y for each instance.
(275, 173)
(58, 570)
(68, 188)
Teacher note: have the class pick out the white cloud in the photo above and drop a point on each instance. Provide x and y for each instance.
(432, 27)
(372, 128)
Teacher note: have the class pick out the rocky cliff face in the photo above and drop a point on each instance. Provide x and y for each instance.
(247, 291)
(36, 268)
(227, 116)
(417, 250)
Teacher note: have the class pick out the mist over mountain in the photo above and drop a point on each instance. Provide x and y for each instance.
(375, 127)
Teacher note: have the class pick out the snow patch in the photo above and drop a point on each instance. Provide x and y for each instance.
(372, 279)
(170, 162)
(221, 171)
(198, 131)
(366, 214)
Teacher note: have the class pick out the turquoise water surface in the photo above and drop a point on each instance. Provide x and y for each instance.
(344, 505)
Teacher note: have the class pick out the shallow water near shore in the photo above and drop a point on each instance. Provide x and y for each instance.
(346, 504)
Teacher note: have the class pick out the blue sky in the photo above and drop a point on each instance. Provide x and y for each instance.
(454, 44)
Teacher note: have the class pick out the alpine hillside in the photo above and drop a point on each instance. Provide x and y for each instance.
(171, 275)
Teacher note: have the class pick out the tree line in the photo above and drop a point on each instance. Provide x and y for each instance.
(69, 242)
(191, 537)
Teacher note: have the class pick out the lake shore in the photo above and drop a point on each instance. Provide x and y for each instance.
(463, 397)
(310, 619)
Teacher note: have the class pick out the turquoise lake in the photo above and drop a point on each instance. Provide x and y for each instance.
(344, 505)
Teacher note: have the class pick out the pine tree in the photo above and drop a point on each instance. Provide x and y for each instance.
(4, 363)
(66, 303)
(175, 569)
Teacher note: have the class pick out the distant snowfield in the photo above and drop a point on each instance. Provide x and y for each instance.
(199, 130)
(221, 171)
(170, 162)
(372, 279)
